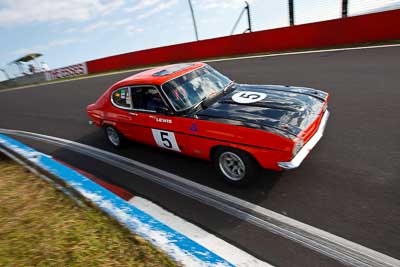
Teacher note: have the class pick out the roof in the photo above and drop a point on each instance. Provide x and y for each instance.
(27, 57)
(159, 75)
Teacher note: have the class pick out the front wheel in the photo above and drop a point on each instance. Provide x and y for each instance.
(112, 134)
(234, 165)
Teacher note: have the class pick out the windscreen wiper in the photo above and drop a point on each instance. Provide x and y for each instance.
(228, 86)
(195, 107)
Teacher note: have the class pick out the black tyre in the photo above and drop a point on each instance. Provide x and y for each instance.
(235, 166)
(113, 136)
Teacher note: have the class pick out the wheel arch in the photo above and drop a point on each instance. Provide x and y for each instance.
(215, 148)
(104, 123)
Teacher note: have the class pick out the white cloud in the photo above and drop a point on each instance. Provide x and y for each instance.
(27, 11)
(133, 29)
(71, 29)
(44, 47)
(108, 6)
(94, 26)
(157, 9)
(215, 4)
(122, 22)
(142, 4)
(103, 25)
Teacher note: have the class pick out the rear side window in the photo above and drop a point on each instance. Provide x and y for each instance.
(122, 98)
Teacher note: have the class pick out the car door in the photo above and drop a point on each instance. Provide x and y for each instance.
(154, 116)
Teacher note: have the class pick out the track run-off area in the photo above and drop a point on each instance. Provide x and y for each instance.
(346, 191)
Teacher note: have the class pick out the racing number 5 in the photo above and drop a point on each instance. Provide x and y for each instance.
(250, 95)
(165, 139)
(247, 97)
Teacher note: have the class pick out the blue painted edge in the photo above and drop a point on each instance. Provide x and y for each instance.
(176, 245)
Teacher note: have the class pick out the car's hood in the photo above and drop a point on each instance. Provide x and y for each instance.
(283, 108)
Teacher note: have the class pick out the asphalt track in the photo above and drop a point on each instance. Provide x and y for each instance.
(348, 186)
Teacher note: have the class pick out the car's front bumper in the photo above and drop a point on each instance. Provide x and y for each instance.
(302, 154)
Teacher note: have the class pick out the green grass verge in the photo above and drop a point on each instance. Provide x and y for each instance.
(40, 226)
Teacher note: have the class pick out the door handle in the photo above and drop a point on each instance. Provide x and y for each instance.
(133, 113)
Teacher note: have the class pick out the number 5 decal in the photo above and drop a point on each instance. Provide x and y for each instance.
(165, 139)
(247, 97)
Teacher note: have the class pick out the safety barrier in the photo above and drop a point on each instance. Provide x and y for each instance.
(359, 29)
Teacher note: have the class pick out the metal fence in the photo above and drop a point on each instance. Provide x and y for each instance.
(306, 11)
(270, 14)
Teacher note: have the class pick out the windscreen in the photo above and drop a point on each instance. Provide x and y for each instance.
(190, 89)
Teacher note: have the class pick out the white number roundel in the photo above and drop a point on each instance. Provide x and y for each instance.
(246, 97)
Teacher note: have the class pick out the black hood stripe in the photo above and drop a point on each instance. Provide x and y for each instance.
(285, 110)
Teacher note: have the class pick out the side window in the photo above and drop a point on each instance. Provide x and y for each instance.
(147, 98)
(122, 98)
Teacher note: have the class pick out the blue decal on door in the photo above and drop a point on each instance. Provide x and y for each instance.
(194, 128)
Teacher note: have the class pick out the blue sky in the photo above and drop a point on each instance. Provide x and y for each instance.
(73, 31)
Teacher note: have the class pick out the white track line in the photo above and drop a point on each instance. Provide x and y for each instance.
(211, 60)
(220, 247)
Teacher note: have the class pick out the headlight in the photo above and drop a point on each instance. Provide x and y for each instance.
(297, 147)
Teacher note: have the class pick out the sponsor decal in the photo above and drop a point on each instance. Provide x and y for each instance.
(246, 97)
(164, 120)
(70, 71)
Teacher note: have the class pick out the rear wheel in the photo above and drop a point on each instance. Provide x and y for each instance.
(113, 136)
(234, 165)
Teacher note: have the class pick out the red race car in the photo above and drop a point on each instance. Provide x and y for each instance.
(195, 110)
